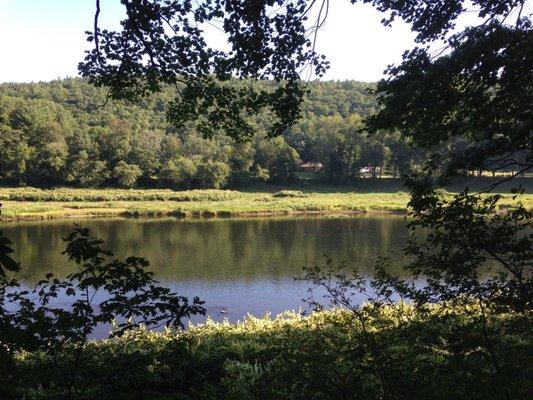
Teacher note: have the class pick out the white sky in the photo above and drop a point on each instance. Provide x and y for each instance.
(41, 40)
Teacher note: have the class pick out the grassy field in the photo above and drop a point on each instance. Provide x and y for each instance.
(380, 197)
(214, 203)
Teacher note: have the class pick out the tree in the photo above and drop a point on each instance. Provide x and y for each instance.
(212, 174)
(178, 172)
(403, 153)
(126, 174)
(86, 172)
(241, 162)
(276, 156)
(477, 89)
(115, 142)
(478, 92)
(345, 161)
(15, 154)
(376, 154)
(51, 151)
(162, 42)
(150, 140)
(170, 146)
(144, 152)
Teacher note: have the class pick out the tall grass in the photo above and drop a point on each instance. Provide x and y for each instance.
(26, 203)
(75, 194)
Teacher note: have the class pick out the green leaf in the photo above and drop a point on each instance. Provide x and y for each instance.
(8, 263)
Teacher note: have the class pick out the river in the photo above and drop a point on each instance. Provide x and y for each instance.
(237, 266)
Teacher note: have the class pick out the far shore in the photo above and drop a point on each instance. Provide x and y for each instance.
(37, 204)
(114, 213)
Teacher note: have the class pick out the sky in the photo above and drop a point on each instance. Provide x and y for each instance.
(42, 40)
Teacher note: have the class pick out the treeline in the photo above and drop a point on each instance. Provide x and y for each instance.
(65, 133)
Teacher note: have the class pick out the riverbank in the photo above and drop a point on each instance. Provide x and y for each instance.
(31, 203)
(423, 354)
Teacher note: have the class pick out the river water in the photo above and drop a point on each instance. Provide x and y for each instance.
(237, 266)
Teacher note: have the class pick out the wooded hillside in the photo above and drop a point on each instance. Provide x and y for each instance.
(65, 133)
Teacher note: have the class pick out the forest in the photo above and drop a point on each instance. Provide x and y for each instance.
(65, 133)
(435, 303)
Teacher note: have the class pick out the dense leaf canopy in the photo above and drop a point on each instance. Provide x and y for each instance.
(480, 92)
(165, 42)
(477, 87)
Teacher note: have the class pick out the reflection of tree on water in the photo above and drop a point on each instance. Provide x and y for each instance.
(217, 250)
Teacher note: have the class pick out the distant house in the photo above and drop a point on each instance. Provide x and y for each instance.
(310, 167)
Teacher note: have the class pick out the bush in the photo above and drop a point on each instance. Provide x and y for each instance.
(322, 356)
(129, 298)
(289, 193)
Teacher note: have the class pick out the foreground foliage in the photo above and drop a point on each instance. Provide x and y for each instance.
(428, 353)
(58, 316)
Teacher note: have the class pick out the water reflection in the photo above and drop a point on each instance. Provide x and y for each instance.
(244, 266)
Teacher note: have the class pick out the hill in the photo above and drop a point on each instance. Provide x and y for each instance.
(65, 133)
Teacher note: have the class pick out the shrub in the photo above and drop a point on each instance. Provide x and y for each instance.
(322, 356)
(289, 193)
(128, 298)
(90, 195)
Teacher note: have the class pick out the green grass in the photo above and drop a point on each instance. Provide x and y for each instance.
(23, 204)
(100, 195)
(376, 197)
